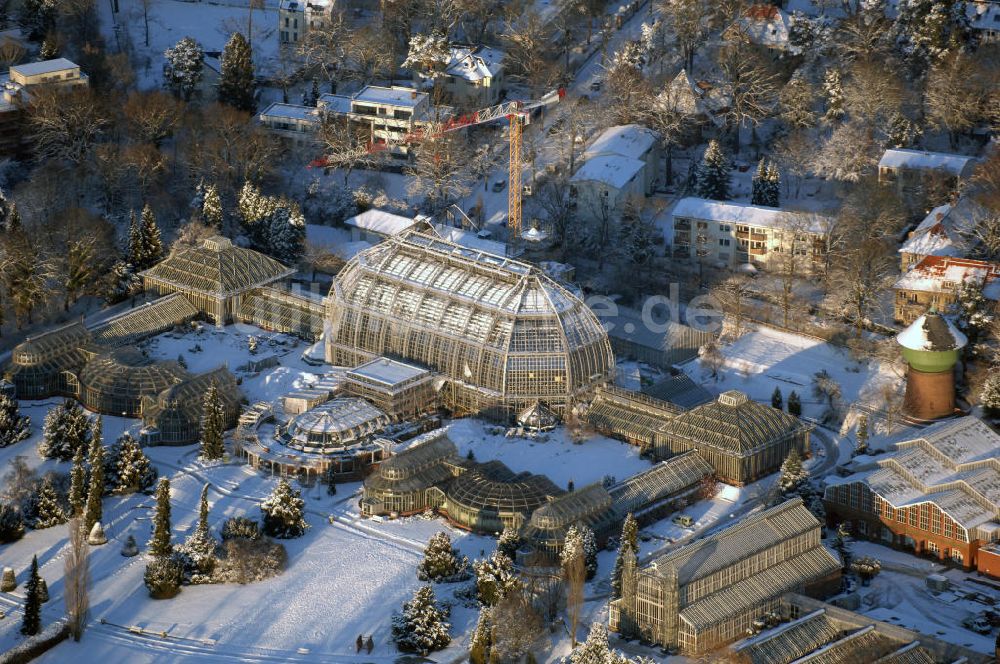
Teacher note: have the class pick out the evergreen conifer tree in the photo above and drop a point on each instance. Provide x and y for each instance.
(183, 68)
(212, 425)
(989, 397)
(31, 623)
(757, 183)
(283, 512)
(482, 638)
(495, 578)
(66, 429)
(93, 512)
(199, 548)
(236, 76)
(211, 211)
(862, 434)
(159, 544)
(11, 524)
(421, 627)
(833, 90)
(149, 251)
(13, 426)
(772, 189)
(794, 404)
(48, 510)
(712, 174)
(793, 473)
(596, 649)
(508, 542)
(78, 484)
(128, 469)
(628, 546)
(776, 400)
(442, 562)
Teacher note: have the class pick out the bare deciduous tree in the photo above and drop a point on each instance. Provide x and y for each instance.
(441, 171)
(152, 116)
(958, 93)
(574, 575)
(686, 19)
(751, 86)
(66, 125)
(77, 579)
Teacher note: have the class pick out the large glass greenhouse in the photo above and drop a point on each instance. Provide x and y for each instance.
(504, 333)
(116, 382)
(491, 497)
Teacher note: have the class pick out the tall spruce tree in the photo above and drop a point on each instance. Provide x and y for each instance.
(128, 468)
(211, 208)
(183, 67)
(628, 546)
(283, 512)
(711, 179)
(772, 190)
(66, 429)
(31, 623)
(48, 509)
(93, 512)
(159, 544)
(14, 427)
(776, 399)
(212, 425)
(236, 76)
(421, 627)
(78, 484)
(757, 183)
(442, 562)
(482, 638)
(199, 547)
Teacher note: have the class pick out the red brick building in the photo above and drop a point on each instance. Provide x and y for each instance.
(937, 495)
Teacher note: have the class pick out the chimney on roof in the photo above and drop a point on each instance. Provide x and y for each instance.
(939, 216)
(413, 94)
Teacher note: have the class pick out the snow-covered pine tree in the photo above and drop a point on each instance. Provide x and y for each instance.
(197, 201)
(237, 85)
(596, 649)
(198, 550)
(989, 396)
(286, 232)
(78, 484)
(93, 511)
(974, 312)
(628, 546)
(772, 188)
(31, 622)
(442, 562)
(163, 577)
(122, 283)
(159, 543)
(776, 399)
(49, 49)
(213, 423)
(211, 210)
(48, 509)
(589, 543)
(183, 68)
(128, 469)
(508, 542)
(14, 427)
(421, 627)
(793, 473)
(65, 430)
(39, 17)
(151, 251)
(862, 434)
(712, 175)
(833, 91)
(313, 97)
(283, 512)
(495, 578)
(757, 183)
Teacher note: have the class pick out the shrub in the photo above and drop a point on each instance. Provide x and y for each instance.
(240, 527)
(247, 560)
(163, 577)
(11, 524)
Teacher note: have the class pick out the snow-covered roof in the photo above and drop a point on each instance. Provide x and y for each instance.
(932, 332)
(289, 112)
(936, 235)
(300, 5)
(334, 103)
(44, 67)
(394, 96)
(955, 164)
(765, 25)
(685, 95)
(983, 15)
(387, 371)
(744, 213)
(381, 222)
(469, 239)
(474, 63)
(624, 140)
(613, 170)
(954, 465)
(945, 274)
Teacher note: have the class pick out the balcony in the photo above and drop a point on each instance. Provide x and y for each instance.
(758, 237)
(742, 235)
(757, 251)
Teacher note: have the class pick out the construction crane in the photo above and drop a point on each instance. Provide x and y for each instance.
(517, 112)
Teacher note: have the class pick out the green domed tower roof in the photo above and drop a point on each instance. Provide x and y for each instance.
(931, 343)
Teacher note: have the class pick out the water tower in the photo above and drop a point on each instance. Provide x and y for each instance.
(930, 347)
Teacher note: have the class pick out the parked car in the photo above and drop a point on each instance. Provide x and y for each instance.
(978, 624)
(499, 185)
(683, 520)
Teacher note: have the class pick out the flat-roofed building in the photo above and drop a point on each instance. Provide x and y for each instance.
(911, 168)
(707, 594)
(18, 85)
(399, 389)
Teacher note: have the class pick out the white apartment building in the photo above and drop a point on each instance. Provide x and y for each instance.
(728, 235)
(297, 17)
(623, 163)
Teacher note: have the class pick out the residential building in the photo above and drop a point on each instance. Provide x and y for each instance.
(935, 282)
(704, 104)
(18, 85)
(622, 165)
(709, 593)
(295, 122)
(297, 17)
(910, 168)
(742, 439)
(375, 225)
(984, 18)
(946, 231)
(472, 78)
(727, 234)
(764, 25)
(936, 495)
